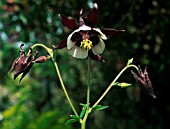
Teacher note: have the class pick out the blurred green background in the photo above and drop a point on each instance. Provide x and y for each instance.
(38, 101)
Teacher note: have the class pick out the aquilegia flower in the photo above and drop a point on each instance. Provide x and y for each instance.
(23, 63)
(86, 39)
(144, 82)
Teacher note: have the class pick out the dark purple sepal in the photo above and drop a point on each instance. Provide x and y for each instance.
(20, 66)
(92, 17)
(62, 45)
(26, 70)
(69, 23)
(95, 57)
(17, 73)
(29, 64)
(13, 65)
(112, 32)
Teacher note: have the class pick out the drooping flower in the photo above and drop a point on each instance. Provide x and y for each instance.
(144, 82)
(24, 63)
(86, 38)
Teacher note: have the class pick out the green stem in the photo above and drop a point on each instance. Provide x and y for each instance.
(113, 82)
(88, 83)
(63, 87)
(59, 75)
(83, 123)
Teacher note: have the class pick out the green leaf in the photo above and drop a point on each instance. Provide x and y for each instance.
(75, 117)
(123, 84)
(83, 110)
(99, 107)
(70, 121)
(130, 61)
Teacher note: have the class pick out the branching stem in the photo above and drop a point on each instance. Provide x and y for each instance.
(113, 82)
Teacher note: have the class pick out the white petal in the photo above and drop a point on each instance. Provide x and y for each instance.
(103, 36)
(98, 48)
(78, 52)
(70, 43)
(84, 27)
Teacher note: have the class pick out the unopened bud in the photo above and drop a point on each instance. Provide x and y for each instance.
(41, 59)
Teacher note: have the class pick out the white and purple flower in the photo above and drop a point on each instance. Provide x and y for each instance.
(86, 39)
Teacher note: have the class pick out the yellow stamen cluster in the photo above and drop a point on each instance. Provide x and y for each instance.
(86, 44)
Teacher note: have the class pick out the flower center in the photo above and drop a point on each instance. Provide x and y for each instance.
(86, 44)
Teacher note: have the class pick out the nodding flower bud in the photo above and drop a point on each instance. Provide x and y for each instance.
(41, 59)
(144, 81)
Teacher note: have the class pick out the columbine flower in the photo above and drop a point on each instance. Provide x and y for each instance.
(24, 62)
(86, 39)
(144, 82)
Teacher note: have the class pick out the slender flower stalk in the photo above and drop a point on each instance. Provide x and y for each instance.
(83, 124)
(59, 75)
(88, 83)
(63, 87)
(113, 82)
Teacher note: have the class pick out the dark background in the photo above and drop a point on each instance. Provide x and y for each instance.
(38, 101)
